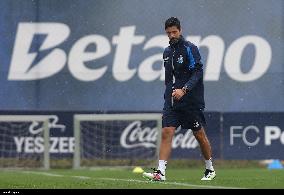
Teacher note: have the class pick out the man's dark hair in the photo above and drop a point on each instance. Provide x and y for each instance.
(172, 21)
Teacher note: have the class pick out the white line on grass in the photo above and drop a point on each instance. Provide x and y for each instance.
(57, 175)
(134, 180)
(81, 177)
(172, 183)
(44, 173)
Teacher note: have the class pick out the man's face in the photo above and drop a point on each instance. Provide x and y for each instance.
(173, 32)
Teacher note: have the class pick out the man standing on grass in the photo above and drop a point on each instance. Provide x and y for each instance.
(184, 99)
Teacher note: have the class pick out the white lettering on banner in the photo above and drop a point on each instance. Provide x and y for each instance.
(22, 67)
(22, 59)
(262, 58)
(124, 42)
(233, 134)
(270, 133)
(76, 62)
(36, 128)
(243, 135)
(186, 140)
(35, 144)
(136, 136)
(19, 143)
(273, 133)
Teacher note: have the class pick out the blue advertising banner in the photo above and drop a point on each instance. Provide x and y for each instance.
(27, 138)
(253, 136)
(114, 139)
(249, 136)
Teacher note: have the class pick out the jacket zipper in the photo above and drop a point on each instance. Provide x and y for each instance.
(174, 79)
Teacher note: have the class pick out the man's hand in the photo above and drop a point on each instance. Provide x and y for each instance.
(178, 93)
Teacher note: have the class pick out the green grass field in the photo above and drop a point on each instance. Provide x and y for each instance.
(188, 178)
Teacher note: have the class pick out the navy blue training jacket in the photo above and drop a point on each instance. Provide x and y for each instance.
(185, 59)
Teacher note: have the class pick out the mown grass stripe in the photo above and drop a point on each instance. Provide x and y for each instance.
(135, 180)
